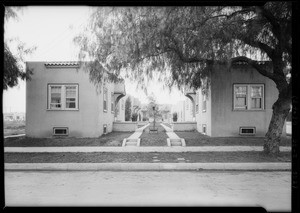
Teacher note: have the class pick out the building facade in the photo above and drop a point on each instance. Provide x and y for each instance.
(235, 102)
(62, 101)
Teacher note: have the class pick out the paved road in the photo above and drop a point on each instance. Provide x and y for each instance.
(272, 190)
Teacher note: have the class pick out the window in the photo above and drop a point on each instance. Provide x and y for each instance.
(112, 102)
(247, 130)
(203, 102)
(105, 100)
(104, 129)
(204, 129)
(248, 97)
(197, 102)
(60, 131)
(71, 97)
(63, 97)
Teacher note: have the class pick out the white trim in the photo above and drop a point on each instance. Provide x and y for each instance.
(248, 97)
(63, 97)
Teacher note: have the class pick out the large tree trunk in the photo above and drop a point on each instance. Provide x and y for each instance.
(281, 110)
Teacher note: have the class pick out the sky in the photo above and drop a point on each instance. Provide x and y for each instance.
(51, 30)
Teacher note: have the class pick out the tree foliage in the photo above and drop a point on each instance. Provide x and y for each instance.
(183, 43)
(128, 109)
(13, 69)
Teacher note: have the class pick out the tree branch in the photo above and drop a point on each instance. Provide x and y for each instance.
(255, 65)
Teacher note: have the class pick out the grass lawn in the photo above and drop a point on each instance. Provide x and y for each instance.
(120, 157)
(198, 139)
(13, 127)
(154, 139)
(111, 139)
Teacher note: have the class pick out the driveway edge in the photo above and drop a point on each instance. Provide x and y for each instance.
(148, 166)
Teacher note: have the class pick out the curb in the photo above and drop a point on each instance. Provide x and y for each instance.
(141, 149)
(148, 166)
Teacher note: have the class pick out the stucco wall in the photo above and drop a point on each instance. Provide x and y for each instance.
(225, 120)
(87, 121)
(124, 126)
(204, 117)
(184, 126)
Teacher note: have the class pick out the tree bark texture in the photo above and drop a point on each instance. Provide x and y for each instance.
(281, 110)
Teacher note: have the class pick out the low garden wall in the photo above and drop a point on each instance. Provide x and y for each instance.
(184, 126)
(124, 126)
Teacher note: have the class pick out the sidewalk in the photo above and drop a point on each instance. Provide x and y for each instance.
(149, 166)
(141, 149)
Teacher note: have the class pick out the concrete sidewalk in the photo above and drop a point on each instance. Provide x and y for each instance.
(149, 166)
(141, 149)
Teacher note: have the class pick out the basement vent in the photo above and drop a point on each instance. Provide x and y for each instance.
(247, 130)
(60, 131)
(104, 129)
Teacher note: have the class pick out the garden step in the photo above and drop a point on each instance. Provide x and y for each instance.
(176, 143)
(132, 140)
(175, 140)
(131, 143)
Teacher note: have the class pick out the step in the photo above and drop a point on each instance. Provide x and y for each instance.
(131, 144)
(175, 140)
(176, 143)
(132, 140)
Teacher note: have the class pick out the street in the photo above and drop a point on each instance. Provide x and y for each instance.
(271, 190)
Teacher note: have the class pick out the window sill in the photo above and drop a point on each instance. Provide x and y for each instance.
(62, 109)
(248, 110)
(105, 111)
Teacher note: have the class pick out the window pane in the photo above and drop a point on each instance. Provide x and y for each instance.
(256, 91)
(240, 91)
(256, 103)
(70, 105)
(71, 95)
(240, 102)
(55, 99)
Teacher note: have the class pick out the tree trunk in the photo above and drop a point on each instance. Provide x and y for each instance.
(281, 110)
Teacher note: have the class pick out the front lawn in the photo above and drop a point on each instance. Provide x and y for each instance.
(111, 139)
(198, 139)
(154, 139)
(13, 127)
(151, 157)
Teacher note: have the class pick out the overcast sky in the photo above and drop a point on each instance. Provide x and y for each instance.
(51, 30)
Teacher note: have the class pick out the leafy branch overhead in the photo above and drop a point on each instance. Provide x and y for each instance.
(13, 69)
(184, 42)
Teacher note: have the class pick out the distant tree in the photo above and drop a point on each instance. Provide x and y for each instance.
(128, 109)
(175, 116)
(184, 43)
(13, 69)
(134, 116)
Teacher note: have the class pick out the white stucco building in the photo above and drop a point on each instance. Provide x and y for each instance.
(61, 100)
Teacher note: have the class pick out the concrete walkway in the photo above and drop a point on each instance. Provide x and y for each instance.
(173, 137)
(149, 166)
(141, 149)
(14, 136)
(134, 139)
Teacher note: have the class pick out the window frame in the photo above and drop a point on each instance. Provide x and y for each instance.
(112, 103)
(204, 102)
(197, 103)
(105, 127)
(105, 101)
(248, 97)
(63, 96)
